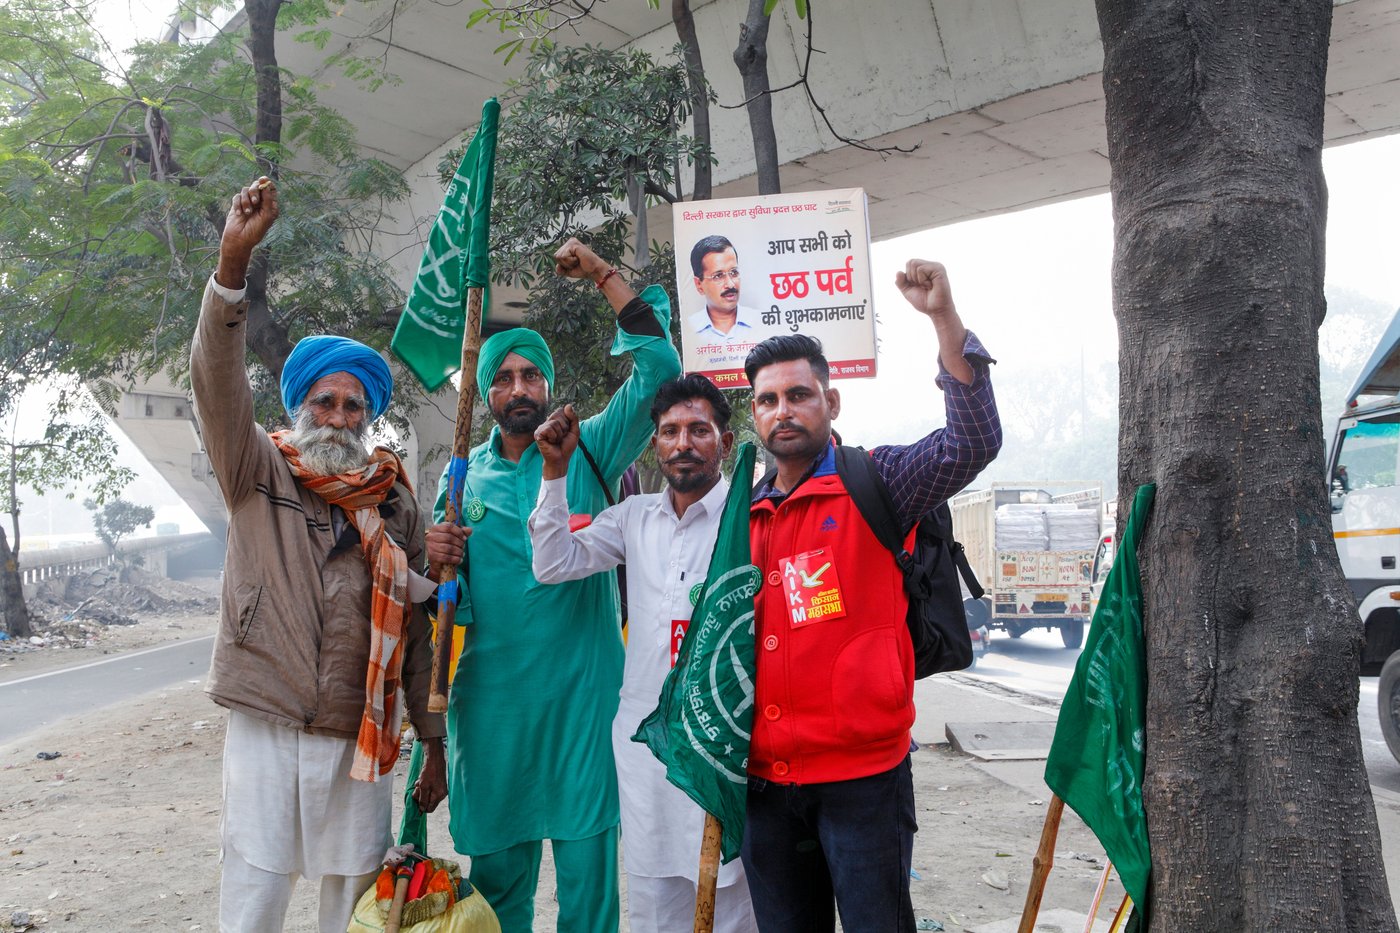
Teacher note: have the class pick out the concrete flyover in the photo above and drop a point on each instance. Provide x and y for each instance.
(1003, 97)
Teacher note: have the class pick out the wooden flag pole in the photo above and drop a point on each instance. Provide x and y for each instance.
(1040, 866)
(709, 876)
(1121, 917)
(461, 447)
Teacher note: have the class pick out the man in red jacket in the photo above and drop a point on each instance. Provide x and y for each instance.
(831, 796)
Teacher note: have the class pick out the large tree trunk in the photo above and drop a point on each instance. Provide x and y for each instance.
(684, 22)
(1258, 806)
(14, 614)
(267, 336)
(751, 57)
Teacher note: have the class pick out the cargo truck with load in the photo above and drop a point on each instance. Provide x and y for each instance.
(1362, 466)
(1032, 545)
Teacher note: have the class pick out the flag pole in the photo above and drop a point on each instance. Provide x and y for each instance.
(708, 880)
(1098, 897)
(1121, 917)
(1040, 865)
(461, 447)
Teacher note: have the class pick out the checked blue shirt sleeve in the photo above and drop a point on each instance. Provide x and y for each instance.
(933, 469)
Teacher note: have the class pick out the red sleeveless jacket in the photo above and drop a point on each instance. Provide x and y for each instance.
(834, 695)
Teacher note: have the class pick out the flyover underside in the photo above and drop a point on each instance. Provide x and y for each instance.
(1003, 98)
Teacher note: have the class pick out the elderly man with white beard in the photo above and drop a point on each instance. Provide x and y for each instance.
(320, 643)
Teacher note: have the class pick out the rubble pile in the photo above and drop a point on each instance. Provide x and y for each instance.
(74, 608)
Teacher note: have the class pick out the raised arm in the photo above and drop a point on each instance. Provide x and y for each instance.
(223, 398)
(929, 471)
(560, 553)
(617, 435)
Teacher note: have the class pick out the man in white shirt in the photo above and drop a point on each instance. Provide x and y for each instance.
(723, 321)
(666, 540)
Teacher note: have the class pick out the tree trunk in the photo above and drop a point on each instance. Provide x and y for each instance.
(267, 337)
(751, 57)
(13, 612)
(684, 22)
(1258, 806)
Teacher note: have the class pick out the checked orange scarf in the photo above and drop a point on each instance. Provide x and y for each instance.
(359, 495)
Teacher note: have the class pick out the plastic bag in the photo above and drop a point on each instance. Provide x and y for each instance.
(438, 910)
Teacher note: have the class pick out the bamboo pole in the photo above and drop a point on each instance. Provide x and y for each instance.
(461, 447)
(1040, 866)
(1098, 896)
(709, 876)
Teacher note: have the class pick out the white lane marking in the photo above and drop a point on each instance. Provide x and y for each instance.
(115, 657)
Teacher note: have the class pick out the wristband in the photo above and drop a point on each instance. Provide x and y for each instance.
(604, 280)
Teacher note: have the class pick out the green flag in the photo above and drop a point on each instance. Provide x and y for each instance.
(1096, 758)
(429, 337)
(700, 729)
(413, 827)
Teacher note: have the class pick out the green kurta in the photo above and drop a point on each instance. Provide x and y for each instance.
(532, 703)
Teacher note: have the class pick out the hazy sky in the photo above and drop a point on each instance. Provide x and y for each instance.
(1035, 284)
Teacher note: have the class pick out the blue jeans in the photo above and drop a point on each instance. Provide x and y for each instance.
(851, 841)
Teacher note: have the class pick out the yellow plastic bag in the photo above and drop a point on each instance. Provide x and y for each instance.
(437, 911)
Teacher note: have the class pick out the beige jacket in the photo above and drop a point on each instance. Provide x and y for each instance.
(293, 642)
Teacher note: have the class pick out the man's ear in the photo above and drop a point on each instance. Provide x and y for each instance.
(652, 443)
(726, 441)
(833, 401)
(698, 287)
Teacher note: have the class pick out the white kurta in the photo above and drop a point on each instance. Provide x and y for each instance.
(666, 557)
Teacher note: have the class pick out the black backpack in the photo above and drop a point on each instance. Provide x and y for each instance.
(937, 620)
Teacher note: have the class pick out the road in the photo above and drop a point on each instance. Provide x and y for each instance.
(1038, 663)
(1035, 663)
(41, 699)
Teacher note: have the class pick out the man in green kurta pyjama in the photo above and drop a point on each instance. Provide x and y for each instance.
(533, 699)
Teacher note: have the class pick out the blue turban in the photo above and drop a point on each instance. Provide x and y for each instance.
(521, 340)
(315, 357)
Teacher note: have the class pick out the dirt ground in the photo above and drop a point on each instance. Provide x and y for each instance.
(121, 832)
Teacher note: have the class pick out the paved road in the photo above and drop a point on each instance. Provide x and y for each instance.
(1038, 663)
(41, 699)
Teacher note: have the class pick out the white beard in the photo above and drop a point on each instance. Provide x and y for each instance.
(326, 450)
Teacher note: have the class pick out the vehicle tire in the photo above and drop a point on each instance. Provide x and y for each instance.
(1016, 629)
(1388, 703)
(977, 613)
(1072, 633)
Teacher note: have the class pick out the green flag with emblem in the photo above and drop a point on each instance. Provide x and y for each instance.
(700, 729)
(1096, 759)
(429, 337)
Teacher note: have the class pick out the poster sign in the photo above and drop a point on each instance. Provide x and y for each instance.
(751, 268)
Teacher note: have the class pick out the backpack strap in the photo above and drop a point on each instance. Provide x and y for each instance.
(593, 465)
(868, 491)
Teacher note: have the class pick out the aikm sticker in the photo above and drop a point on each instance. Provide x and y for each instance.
(812, 588)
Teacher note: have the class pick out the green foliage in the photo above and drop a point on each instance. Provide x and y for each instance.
(117, 519)
(799, 5)
(105, 249)
(73, 444)
(581, 125)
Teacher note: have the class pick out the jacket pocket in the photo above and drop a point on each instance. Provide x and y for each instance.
(869, 693)
(250, 599)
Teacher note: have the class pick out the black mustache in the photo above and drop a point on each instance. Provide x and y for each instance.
(685, 458)
(729, 292)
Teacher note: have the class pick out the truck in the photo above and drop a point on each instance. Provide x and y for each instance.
(1362, 465)
(1032, 547)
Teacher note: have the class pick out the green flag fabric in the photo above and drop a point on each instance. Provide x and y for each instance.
(1096, 759)
(414, 825)
(700, 729)
(429, 337)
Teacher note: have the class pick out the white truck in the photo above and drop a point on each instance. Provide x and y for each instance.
(1362, 465)
(1032, 547)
